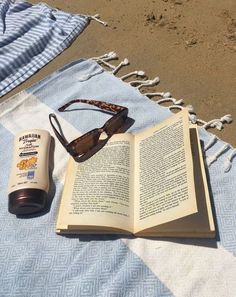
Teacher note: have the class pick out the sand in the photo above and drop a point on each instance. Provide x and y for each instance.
(189, 44)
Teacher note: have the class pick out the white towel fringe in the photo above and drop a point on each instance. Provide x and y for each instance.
(111, 56)
(96, 18)
(136, 73)
(192, 116)
(166, 97)
(145, 83)
(176, 103)
(210, 142)
(216, 123)
(161, 94)
(219, 123)
(179, 107)
(213, 158)
(106, 57)
(108, 64)
(135, 82)
(125, 62)
(228, 161)
(170, 99)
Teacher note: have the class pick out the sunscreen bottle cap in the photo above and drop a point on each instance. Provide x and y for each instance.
(27, 201)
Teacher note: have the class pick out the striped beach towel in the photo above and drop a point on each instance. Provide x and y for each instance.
(30, 37)
(36, 262)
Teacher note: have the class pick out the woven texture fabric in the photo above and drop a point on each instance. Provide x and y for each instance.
(34, 261)
(30, 37)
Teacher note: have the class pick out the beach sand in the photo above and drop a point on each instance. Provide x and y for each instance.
(189, 44)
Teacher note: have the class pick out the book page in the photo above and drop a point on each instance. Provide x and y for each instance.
(200, 224)
(164, 181)
(98, 191)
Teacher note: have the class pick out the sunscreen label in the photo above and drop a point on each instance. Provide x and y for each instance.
(30, 161)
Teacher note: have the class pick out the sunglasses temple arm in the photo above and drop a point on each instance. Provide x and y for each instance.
(59, 132)
(109, 106)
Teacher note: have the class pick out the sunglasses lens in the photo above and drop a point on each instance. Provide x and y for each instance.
(92, 151)
(85, 143)
(115, 123)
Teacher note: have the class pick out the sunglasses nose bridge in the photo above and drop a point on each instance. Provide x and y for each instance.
(71, 149)
(103, 133)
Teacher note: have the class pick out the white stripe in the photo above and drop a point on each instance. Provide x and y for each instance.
(188, 270)
(24, 111)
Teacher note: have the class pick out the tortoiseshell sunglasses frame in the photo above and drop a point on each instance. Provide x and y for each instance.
(121, 114)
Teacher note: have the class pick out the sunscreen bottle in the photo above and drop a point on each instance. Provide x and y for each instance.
(29, 178)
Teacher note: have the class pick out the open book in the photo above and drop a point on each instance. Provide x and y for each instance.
(152, 183)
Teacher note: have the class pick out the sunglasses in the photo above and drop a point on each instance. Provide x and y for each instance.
(88, 144)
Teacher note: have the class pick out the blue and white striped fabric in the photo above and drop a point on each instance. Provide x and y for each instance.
(30, 37)
(35, 262)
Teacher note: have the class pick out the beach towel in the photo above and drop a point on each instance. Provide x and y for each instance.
(35, 261)
(31, 35)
